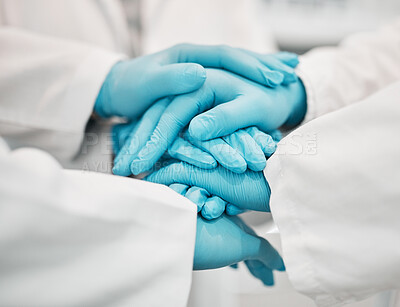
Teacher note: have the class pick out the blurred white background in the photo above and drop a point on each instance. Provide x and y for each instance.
(261, 25)
(264, 26)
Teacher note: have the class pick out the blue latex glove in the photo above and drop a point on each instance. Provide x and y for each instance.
(249, 190)
(238, 103)
(286, 106)
(244, 148)
(132, 86)
(210, 207)
(228, 240)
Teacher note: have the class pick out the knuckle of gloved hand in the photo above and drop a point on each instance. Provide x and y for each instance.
(181, 50)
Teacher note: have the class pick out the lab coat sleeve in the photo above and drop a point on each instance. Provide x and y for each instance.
(74, 238)
(48, 87)
(335, 199)
(362, 64)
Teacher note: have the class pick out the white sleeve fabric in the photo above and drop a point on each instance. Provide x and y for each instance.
(362, 64)
(48, 87)
(74, 238)
(335, 199)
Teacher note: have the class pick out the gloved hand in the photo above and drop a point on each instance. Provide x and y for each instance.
(210, 207)
(249, 190)
(227, 241)
(242, 149)
(132, 86)
(238, 103)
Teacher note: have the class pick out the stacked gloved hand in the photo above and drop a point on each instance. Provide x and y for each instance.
(140, 145)
(132, 86)
(221, 90)
(224, 159)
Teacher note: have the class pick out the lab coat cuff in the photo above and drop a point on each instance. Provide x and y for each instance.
(298, 260)
(306, 76)
(82, 92)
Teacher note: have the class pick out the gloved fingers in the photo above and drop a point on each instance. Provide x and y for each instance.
(228, 58)
(227, 156)
(276, 135)
(269, 256)
(233, 210)
(174, 79)
(198, 196)
(138, 137)
(260, 271)
(226, 118)
(179, 188)
(263, 140)
(176, 116)
(119, 134)
(185, 151)
(250, 150)
(213, 208)
(249, 190)
(274, 63)
(260, 249)
(288, 58)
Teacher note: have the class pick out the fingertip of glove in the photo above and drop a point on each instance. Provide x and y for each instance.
(195, 71)
(198, 128)
(138, 167)
(273, 78)
(120, 171)
(258, 166)
(233, 210)
(290, 77)
(238, 168)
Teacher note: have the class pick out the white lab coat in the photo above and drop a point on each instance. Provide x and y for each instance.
(335, 181)
(99, 220)
(74, 238)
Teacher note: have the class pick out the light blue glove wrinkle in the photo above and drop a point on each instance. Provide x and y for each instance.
(138, 136)
(227, 240)
(233, 210)
(248, 148)
(198, 196)
(213, 208)
(184, 151)
(249, 190)
(263, 140)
